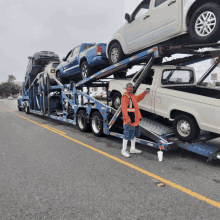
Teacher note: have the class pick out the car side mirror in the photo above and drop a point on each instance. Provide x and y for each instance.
(30, 57)
(127, 17)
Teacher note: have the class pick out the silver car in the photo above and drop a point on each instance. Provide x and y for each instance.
(49, 68)
(157, 21)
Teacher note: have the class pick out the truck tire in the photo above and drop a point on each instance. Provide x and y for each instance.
(59, 77)
(204, 25)
(186, 128)
(85, 70)
(97, 124)
(115, 53)
(27, 109)
(82, 121)
(116, 100)
(19, 107)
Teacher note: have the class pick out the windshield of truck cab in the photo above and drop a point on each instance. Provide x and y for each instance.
(177, 76)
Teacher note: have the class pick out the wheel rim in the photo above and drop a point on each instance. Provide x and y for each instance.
(84, 71)
(81, 121)
(183, 128)
(96, 124)
(205, 23)
(117, 102)
(114, 55)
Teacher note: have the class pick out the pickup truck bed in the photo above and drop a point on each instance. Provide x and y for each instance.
(212, 93)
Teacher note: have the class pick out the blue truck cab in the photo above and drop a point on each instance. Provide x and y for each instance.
(82, 61)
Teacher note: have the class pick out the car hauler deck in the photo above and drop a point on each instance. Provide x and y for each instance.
(61, 102)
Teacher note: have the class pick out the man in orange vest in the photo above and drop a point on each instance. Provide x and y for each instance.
(131, 116)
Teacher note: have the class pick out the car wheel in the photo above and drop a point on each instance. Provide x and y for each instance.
(82, 121)
(19, 107)
(115, 53)
(85, 70)
(205, 23)
(186, 128)
(116, 100)
(27, 109)
(59, 77)
(97, 124)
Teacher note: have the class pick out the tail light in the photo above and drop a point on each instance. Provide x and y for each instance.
(99, 50)
(52, 71)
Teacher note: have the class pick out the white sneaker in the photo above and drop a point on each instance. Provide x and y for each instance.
(125, 153)
(135, 151)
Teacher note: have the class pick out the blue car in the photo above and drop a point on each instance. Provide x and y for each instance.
(82, 61)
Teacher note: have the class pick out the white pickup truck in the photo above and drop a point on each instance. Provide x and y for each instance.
(174, 94)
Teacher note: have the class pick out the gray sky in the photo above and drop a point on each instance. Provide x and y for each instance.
(28, 26)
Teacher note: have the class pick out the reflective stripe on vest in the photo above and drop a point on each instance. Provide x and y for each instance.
(131, 110)
(131, 104)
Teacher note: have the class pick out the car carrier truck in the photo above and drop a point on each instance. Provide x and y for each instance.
(61, 102)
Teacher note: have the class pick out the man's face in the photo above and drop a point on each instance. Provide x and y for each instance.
(130, 89)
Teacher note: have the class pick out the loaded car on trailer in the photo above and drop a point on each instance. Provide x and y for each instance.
(175, 95)
(49, 68)
(36, 64)
(163, 21)
(82, 61)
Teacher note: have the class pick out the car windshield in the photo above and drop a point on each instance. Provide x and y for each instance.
(55, 65)
(44, 52)
(177, 77)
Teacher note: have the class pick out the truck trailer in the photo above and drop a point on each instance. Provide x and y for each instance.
(61, 102)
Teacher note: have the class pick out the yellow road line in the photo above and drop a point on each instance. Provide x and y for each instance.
(46, 126)
(174, 185)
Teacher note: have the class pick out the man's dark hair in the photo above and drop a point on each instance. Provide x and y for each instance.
(128, 85)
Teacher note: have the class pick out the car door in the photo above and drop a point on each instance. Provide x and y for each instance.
(75, 61)
(165, 19)
(146, 104)
(138, 32)
(69, 64)
(65, 64)
(170, 78)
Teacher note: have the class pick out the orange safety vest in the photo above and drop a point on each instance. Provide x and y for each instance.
(130, 109)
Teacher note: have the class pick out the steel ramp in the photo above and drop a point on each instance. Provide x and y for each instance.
(155, 127)
(155, 130)
(201, 147)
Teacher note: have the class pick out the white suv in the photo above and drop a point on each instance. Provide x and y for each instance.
(156, 21)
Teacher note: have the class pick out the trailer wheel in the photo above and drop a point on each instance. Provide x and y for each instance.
(116, 100)
(186, 128)
(82, 121)
(205, 23)
(27, 109)
(85, 71)
(97, 124)
(115, 53)
(19, 107)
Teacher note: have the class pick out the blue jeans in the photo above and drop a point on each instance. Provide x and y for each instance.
(130, 132)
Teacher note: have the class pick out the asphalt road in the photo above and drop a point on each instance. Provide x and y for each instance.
(66, 174)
